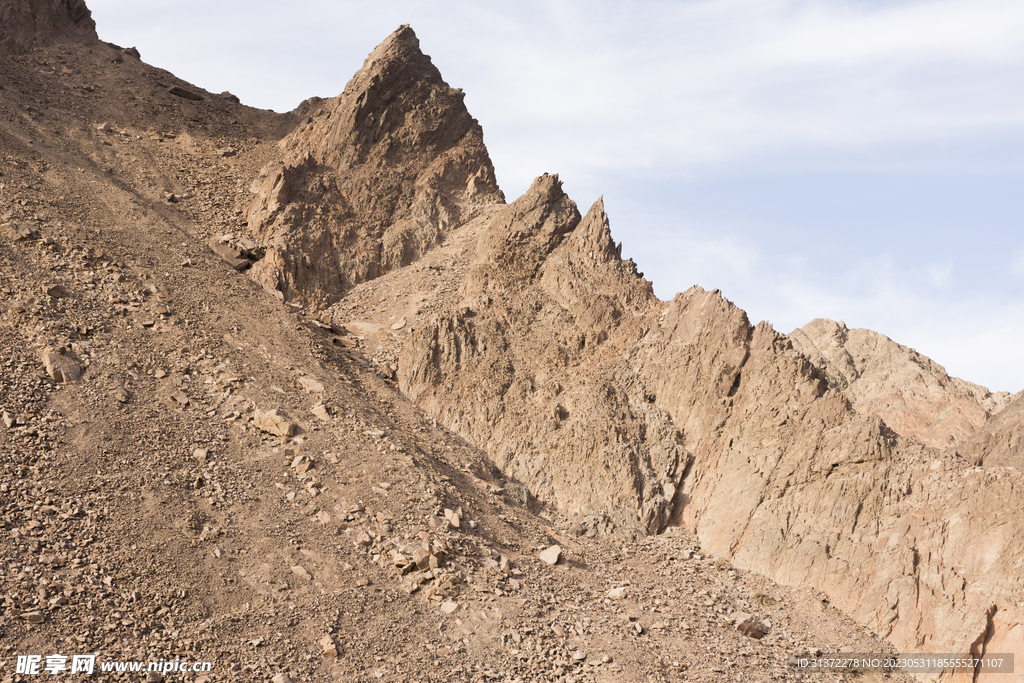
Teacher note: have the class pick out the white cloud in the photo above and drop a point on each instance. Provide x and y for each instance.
(940, 274)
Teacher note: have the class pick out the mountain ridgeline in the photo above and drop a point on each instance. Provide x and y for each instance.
(490, 359)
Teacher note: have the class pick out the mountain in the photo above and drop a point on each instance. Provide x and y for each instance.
(301, 395)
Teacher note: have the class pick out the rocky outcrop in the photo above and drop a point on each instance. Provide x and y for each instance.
(25, 24)
(610, 404)
(1000, 442)
(912, 393)
(371, 179)
(530, 366)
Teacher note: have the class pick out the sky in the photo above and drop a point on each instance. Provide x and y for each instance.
(855, 160)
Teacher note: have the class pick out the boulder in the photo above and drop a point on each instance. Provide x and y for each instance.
(274, 422)
(186, 94)
(551, 555)
(61, 367)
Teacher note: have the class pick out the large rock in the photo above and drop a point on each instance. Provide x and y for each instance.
(546, 293)
(274, 422)
(371, 180)
(61, 367)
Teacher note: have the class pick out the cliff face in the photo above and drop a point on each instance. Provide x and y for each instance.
(25, 24)
(371, 180)
(529, 363)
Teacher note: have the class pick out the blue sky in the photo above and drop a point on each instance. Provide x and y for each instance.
(853, 160)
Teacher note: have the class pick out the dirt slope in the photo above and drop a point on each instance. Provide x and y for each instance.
(155, 509)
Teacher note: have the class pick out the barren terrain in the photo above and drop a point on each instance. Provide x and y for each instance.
(302, 396)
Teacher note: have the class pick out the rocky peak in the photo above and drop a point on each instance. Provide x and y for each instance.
(395, 110)
(371, 180)
(518, 241)
(25, 24)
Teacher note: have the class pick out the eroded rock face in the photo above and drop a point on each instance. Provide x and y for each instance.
(25, 24)
(579, 383)
(1000, 442)
(912, 393)
(371, 180)
(547, 293)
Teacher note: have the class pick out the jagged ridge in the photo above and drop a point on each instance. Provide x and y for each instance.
(371, 180)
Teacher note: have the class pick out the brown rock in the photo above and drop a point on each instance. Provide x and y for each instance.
(229, 254)
(910, 392)
(551, 555)
(17, 233)
(186, 94)
(312, 385)
(318, 205)
(321, 411)
(421, 557)
(23, 25)
(453, 517)
(274, 422)
(61, 367)
(1000, 441)
(683, 412)
(748, 625)
(329, 647)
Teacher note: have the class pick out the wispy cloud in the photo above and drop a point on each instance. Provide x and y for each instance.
(576, 86)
